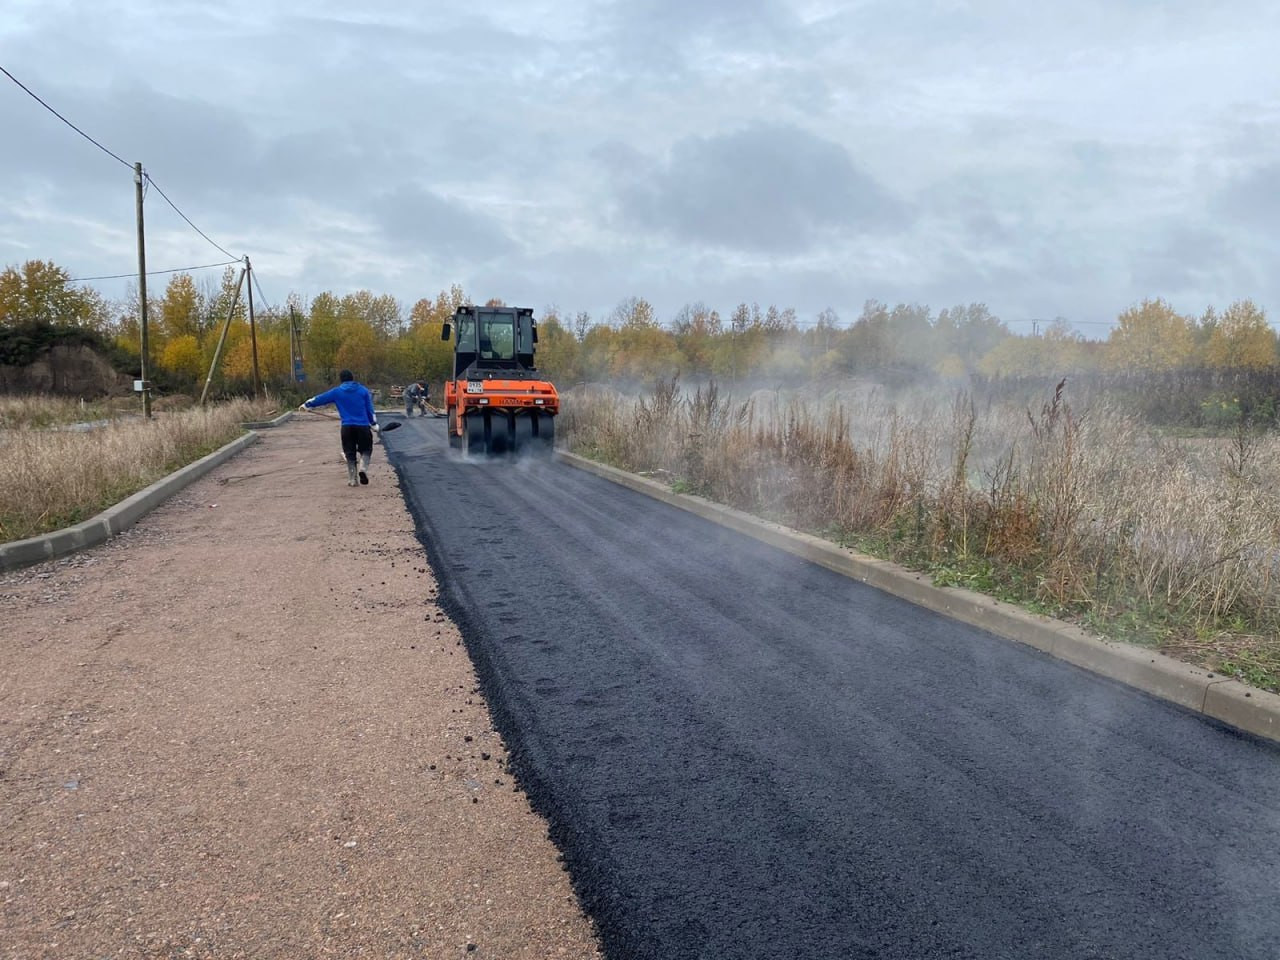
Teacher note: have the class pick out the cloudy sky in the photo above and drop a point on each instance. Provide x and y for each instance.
(1049, 159)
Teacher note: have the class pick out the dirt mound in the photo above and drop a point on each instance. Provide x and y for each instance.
(68, 370)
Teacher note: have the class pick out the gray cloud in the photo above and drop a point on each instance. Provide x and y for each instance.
(411, 217)
(1181, 263)
(768, 188)
(664, 40)
(1047, 160)
(1252, 199)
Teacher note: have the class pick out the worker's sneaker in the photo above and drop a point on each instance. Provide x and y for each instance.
(364, 476)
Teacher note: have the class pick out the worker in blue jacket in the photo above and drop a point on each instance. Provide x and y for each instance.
(359, 422)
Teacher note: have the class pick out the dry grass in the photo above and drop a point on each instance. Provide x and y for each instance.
(51, 478)
(29, 410)
(1082, 515)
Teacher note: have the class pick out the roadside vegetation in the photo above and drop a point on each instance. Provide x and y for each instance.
(1217, 361)
(1086, 514)
(1126, 480)
(41, 410)
(53, 477)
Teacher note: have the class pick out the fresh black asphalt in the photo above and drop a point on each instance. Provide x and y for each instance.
(743, 755)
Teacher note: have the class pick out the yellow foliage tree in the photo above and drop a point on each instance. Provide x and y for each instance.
(358, 349)
(1151, 336)
(273, 356)
(1241, 339)
(180, 311)
(322, 337)
(237, 355)
(182, 357)
(38, 292)
(557, 355)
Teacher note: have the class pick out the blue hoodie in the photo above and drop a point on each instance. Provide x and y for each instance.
(354, 403)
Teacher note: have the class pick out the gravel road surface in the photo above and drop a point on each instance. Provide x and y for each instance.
(245, 729)
(746, 756)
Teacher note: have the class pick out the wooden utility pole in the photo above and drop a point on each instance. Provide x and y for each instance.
(222, 339)
(295, 346)
(253, 333)
(142, 290)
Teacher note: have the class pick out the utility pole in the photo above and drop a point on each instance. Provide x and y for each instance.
(295, 346)
(142, 290)
(253, 333)
(222, 339)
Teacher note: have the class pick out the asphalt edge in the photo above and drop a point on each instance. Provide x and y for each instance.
(522, 762)
(1221, 698)
(117, 518)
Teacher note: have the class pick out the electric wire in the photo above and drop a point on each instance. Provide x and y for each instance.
(150, 273)
(219, 246)
(37, 99)
(253, 274)
(147, 181)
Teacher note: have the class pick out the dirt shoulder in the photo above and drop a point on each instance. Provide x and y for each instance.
(245, 729)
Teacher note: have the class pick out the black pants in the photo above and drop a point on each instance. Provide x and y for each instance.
(356, 440)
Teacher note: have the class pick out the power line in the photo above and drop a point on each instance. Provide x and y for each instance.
(1070, 323)
(151, 273)
(188, 219)
(265, 302)
(147, 177)
(65, 120)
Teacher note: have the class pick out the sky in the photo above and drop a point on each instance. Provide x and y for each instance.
(1047, 159)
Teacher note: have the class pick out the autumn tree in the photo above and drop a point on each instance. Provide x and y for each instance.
(1241, 339)
(963, 335)
(437, 311)
(181, 312)
(823, 359)
(322, 336)
(639, 349)
(696, 328)
(381, 313)
(38, 292)
(358, 348)
(273, 356)
(1151, 336)
(182, 357)
(218, 298)
(558, 349)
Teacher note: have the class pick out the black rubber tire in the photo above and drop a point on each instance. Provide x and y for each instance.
(455, 441)
(476, 429)
(502, 438)
(524, 431)
(545, 441)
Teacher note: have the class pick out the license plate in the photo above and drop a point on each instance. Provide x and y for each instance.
(475, 386)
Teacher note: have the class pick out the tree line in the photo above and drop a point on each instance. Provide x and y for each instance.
(375, 335)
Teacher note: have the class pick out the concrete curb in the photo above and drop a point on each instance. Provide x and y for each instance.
(1223, 699)
(122, 516)
(267, 424)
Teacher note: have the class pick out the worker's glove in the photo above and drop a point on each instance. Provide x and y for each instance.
(302, 405)
(375, 429)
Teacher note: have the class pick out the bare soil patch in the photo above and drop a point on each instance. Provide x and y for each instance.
(245, 729)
